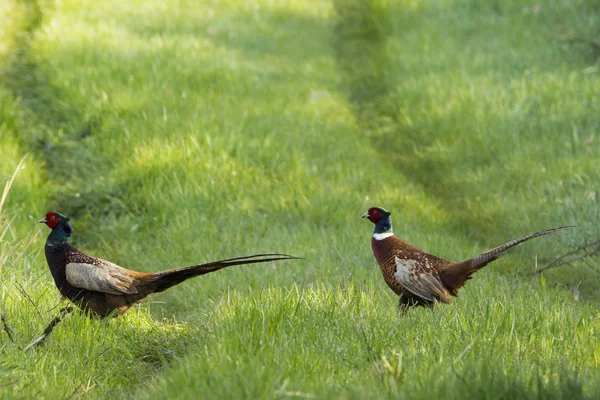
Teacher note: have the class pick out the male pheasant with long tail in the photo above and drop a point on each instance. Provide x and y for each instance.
(101, 287)
(419, 278)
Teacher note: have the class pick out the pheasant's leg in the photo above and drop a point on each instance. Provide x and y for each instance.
(405, 303)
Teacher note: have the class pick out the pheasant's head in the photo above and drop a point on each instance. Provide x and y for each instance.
(381, 218)
(61, 229)
(375, 214)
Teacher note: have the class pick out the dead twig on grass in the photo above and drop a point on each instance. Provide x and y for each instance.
(581, 253)
(585, 251)
(590, 42)
(40, 340)
(571, 37)
(7, 328)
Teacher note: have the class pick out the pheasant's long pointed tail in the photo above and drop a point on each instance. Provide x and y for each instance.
(161, 281)
(482, 260)
(457, 274)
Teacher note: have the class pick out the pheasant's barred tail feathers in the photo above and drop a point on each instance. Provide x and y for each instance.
(455, 275)
(482, 260)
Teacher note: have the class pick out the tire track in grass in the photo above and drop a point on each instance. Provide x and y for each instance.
(361, 32)
(42, 118)
(54, 129)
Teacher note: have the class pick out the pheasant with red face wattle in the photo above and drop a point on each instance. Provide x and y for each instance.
(100, 287)
(419, 278)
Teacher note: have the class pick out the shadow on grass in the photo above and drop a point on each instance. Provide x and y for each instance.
(52, 127)
(64, 135)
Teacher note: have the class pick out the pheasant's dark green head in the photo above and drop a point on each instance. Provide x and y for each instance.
(61, 229)
(381, 218)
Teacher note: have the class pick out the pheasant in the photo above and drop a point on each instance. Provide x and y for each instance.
(419, 278)
(100, 287)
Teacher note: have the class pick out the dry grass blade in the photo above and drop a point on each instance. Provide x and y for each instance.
(10, 182)
(457, 359)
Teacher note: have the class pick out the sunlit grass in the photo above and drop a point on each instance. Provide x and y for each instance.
(179, 132)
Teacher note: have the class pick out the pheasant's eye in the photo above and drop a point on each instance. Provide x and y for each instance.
(53, 217)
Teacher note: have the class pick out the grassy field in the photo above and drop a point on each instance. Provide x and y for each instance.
(178, 132)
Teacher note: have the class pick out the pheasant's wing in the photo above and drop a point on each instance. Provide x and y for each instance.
(101, 276)
(420, 279)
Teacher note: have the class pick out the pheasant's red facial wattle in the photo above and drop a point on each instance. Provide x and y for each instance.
(374, 215)
(52, 220)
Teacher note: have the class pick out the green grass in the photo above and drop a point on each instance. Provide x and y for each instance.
(179, 132)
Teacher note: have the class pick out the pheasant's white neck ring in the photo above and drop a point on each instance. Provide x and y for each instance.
(381, 236)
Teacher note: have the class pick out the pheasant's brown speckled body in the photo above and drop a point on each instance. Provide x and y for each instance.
(419, 278)
(390, 249)
(101, 287)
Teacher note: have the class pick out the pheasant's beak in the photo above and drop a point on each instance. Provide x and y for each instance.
(42, 220)
(365, 215)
